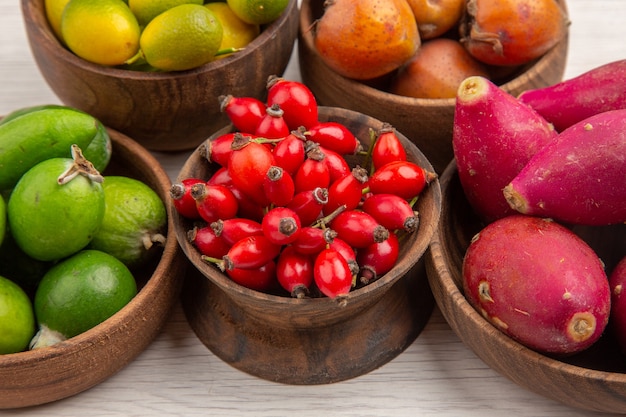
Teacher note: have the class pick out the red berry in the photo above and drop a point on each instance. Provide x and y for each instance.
(402, 178)
(358, 228)
(244, 113)
(221, 177)
(296, 99)
(218, 150)
(346, 191)
(313, 240)
(207, 242)
(248, 166)
(281, 225)
(294, 272)
(272, 125)
(235, 229)
(337, 166)
(347, 252)
(334, 136)
(249, 253)
(278, 186)
(258, 279)
(312, 173)
(214, 202)
(308, 204)
(289, 153)
(387, 147)
(331, 273)
(378, 259)
(180, 193)
(391, 211)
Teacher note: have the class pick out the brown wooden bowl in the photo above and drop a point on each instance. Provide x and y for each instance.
(165, 111)
(592, 380)
(314, 340)
(426, 122)
(77, 364)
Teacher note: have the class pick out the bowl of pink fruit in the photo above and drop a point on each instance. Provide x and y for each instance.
(529, 259)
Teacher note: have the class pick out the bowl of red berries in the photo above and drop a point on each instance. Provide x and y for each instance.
(307, 227)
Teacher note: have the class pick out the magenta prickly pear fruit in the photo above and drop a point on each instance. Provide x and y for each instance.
(579, 178)
(596, 91)
(539, 283)
(617, 282)
(494, 136)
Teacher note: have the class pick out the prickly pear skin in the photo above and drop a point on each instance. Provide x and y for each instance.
(539, 283)
(494, 136)
(617, 283)
(563, 104)
(580, 177)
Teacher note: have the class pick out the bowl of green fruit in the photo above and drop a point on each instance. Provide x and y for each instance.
(145, 77)
(82, 268)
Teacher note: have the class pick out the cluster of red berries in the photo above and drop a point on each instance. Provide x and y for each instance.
(284, 209)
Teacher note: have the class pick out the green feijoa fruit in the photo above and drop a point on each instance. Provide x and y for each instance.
(134, 221)
(17, 319)
(56, 207)
(3, 219)
(19, 267)
(78, 293)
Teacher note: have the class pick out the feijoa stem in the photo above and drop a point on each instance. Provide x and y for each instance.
(81, 166)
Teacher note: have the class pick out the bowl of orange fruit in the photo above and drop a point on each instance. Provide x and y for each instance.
(153, 84)
(403, 62)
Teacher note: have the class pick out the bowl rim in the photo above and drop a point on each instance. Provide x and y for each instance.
(524, 73)
(442, 276)
(33, 12)
(387, 279)
(104, 331)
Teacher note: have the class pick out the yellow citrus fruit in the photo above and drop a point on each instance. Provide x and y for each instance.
(259, 12)
(181, 38)
(237, 33)
(54, 11)
(146, 10)
(17, 318)
(105, 32)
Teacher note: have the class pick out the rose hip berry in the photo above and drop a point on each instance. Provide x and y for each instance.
(294, 271)
(296, 100)
(358, 228)
(281, 225)
(180, 193)
(331, 273)
(214, 202)
(244, 113)
(391, 211)
(387, 147)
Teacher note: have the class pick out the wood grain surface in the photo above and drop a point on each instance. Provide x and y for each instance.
(437, 375)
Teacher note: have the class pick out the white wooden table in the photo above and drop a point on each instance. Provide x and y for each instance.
(177, 376)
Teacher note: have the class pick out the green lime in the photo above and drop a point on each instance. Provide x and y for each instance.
(17, 320)
(56, 207)
(237, 33)
(3, 219)
(134, 221)
(258, 12)
(181, 38)
(79, 293)
(146, 10)
(105, 32)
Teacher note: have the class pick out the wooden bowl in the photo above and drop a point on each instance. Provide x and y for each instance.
(77, 364)
(593, 380)
(426, 122)
(164, 111)
(314, 340)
